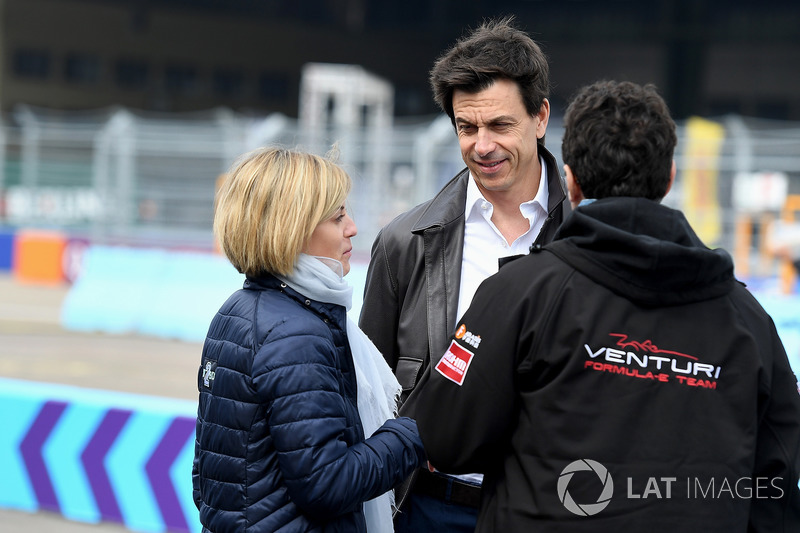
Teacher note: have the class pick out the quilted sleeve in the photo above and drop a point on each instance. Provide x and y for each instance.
(307, 420)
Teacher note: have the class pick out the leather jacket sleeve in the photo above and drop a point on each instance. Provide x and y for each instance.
(379, 312)
(479, 394)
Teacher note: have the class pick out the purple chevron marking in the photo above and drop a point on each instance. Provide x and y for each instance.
(179, 431)
(93, 457)
(31, 448)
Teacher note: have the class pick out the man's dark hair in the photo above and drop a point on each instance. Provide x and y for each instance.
(495, 50)
(619, 140)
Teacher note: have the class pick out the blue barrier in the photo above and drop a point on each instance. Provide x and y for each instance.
(158, 292)
(785, 312)
(175, 294)
(148, 291)
(98, 456)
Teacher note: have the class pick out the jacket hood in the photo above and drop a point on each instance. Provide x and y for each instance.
(643, 251)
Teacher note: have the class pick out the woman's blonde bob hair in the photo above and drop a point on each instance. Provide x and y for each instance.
(269, 204)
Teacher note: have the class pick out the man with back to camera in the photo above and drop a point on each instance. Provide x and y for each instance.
(619, 378)
(427, 263)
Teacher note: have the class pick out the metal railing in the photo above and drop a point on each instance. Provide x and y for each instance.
(115, 175)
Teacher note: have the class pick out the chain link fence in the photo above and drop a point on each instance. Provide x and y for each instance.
(119, 176)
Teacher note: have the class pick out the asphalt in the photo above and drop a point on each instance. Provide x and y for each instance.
(34, 347)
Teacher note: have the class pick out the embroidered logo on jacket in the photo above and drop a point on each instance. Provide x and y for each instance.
(645, 360)
(209, 373)
(454, 363)
(467, 336)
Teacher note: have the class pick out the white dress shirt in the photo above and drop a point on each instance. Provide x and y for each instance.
(484, 245)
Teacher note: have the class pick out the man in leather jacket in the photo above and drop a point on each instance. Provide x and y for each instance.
(618, 378)
(427, 263)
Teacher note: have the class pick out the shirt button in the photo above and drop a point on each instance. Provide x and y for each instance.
(308, 302)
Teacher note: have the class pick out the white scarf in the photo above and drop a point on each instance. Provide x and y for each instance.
(321, 279)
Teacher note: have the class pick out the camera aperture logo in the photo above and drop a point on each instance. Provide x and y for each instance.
(659, 488)
(585, 509)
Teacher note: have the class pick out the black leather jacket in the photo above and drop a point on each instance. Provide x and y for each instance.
(412, 286)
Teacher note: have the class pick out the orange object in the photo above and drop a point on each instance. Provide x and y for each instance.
(788, 273)
(38, 257)
(742, 242)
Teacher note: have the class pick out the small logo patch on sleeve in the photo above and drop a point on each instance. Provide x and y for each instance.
(208, 373)
(454, 363)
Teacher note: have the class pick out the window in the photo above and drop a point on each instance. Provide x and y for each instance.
(131, 73)
(31, 63)
(772, 108)
(81, 68)
(180, 78)
(228, 82)
(273, 87)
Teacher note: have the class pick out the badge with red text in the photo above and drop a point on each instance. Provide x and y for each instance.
(454, 363)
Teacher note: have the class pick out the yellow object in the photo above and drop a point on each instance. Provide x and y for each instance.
(700, 177)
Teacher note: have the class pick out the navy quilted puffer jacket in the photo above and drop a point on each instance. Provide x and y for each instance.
(279, 444)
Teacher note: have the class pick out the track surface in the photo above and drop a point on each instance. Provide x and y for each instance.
(34, 347)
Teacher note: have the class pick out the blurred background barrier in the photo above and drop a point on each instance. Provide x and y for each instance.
(6, 249)
(150, 291)
(120, 177)
(784, 310)
(38, 256)
(157, 292)
(97, 456)
(117, 177)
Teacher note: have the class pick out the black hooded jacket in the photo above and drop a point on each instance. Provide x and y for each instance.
(618, 379)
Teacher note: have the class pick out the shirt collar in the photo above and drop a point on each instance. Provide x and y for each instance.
(475, 198)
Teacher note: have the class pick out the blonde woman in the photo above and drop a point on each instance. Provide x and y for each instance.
(296, 427)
